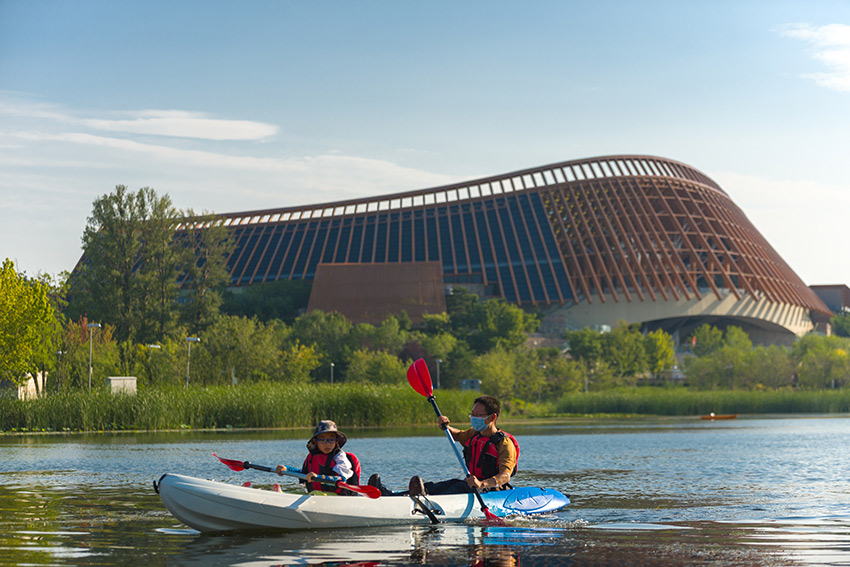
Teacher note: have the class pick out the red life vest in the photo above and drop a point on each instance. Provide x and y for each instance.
(320, 463)
(481, 454)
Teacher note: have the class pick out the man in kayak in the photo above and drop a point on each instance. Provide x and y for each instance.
(490, 454)
(326, 457)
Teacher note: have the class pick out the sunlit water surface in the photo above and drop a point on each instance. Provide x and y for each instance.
(645, 492)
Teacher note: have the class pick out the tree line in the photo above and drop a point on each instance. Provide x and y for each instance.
(137, 248)
(728, 360)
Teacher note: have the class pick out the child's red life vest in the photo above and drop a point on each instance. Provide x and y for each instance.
(320, 463)
(481, 454)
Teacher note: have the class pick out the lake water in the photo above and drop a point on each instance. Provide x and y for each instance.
(750, 491)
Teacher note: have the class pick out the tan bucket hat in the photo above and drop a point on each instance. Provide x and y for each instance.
(326, 426)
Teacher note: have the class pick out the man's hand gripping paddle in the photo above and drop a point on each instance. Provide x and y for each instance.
(367, 491)
(420, 380)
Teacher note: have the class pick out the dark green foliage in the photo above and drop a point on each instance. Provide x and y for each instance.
(706, 339)
(840, 323)
(486, 325)
(128, 277)
(585, 345)
(206, 246)
(733, 363)
(619, 357)
(822, 362)
(331, 335)
(282, 299)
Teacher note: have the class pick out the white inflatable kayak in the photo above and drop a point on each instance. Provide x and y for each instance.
(211, 506)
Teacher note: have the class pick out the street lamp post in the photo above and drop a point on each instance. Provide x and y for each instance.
(332, 373)
(189, 341)
(438, 372)
(91, 326)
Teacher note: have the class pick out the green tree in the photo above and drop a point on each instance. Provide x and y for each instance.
(737, 338)
(726, 368)
(435, 323)
(459, 366)
(769, 367)
(706, 339)
(387, 337)
(375, 367)
(496, 371)
(330, 334)
(840, 323)
(74, 362)
(486, 325)
(564, 377)
(623, 349)
(123, 278)
(660, 351)
(281, 299)
(236, 347)
(822, 362)
(106, 286)
(157, 271)
(500, 325)
(460, 307)
(207, 249)
(49, 351)
(530, 373)
(586, 347)
(25, 318)
(439, 345)
(296, 363)
(705, 372)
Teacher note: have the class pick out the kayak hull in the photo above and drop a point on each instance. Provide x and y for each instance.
(210, 506)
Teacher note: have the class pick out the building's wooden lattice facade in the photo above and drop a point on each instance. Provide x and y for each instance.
(617, 228)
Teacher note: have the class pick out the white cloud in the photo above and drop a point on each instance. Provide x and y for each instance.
(332, 172)
(832, 48)
(170, 123)
(186, 125)
(54, 162)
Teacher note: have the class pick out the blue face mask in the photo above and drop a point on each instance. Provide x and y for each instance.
(478, 423)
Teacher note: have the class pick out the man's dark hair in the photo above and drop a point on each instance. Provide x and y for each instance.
(490, 403)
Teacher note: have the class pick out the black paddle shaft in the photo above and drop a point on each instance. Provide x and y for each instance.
(248, 465)
(484, 507)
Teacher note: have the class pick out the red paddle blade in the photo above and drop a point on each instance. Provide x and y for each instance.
(231, 464)
(492, 518)
(367, 491)
(420, 378)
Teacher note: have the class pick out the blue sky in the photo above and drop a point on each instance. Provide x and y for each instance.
(233, 106)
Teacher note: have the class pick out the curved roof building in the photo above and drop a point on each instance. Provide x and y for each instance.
(588, 242)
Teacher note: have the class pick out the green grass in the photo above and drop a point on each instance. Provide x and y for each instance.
(680, 401)
(272, 405)
(259, 405)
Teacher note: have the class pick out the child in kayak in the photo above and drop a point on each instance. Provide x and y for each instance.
(326, 457)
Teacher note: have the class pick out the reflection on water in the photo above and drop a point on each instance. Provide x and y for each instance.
(645, 492)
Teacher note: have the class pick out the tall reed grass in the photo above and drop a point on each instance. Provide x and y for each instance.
(258, 405)
(679, 401)
(272, 405)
